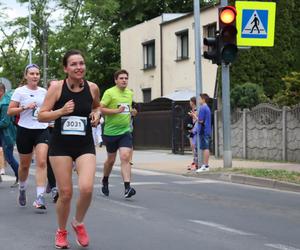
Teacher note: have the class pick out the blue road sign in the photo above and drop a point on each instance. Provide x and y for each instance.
(254, 24)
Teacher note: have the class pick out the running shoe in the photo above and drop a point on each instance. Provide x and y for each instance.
(82, 237)
(202, 169)
(105, 189)
(16, 184)
(22, 198)
(40, 203)
(61, 240)
(2, 171)
(129, 192)
(54, 194)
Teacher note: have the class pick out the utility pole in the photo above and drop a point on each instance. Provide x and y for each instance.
(227, 151)
(29, 25)
(45, 53)
(198, 66)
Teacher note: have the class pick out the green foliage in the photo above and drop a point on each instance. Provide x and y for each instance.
(247, 96)
(291, 94)
(94, 26)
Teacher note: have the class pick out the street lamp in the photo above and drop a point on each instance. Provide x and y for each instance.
(30, 51)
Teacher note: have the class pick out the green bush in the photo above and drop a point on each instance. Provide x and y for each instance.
(247, 95)
(291, 94)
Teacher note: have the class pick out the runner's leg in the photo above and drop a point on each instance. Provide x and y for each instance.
(86, 168)
(62, 168)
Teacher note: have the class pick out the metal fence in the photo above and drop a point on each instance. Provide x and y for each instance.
(266, 132)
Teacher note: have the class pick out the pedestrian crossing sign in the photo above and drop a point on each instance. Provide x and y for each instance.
(255, 23)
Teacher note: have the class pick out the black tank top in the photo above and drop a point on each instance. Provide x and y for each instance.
(83, 106)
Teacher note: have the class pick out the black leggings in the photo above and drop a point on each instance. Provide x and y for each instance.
(50, 174)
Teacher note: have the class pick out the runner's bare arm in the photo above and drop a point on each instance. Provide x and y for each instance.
(14, 108)
(107, 111)
(46, 114)
(96, 113)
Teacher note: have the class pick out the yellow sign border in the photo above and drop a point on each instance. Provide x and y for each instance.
(266, 42)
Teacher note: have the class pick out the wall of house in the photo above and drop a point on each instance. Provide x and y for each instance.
(132, 57)
(179, 75)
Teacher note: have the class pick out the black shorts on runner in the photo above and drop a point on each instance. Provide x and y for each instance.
(74, 151)
(27, 139)
(113, 143)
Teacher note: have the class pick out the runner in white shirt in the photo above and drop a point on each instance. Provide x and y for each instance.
(31, 134)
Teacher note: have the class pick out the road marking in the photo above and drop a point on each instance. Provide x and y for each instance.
(123, 204)
(221, 227)
(95, 186)
(8, 178)
(142, 172)
(281, 247)
(147, 183)
(100, 175)
(194, 182)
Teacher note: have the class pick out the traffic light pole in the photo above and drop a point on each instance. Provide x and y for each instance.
(198, 67)
(227, 151)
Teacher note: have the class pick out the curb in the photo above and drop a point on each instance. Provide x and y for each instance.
(248, 180)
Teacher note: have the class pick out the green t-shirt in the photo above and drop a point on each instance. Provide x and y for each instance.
(113, 98)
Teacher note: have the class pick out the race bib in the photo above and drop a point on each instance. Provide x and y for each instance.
(127, 108)
(35, 113)
(73, 125)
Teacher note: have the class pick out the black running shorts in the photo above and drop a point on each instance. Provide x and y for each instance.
(27, 139)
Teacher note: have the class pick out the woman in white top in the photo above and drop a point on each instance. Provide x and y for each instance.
(31, 134)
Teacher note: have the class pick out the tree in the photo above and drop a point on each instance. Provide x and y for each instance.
(247, 95)
(291, 94)
(12, 55)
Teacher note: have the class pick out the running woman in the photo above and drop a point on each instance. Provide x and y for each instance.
(31, 134)
(116, 105)
(74, 105)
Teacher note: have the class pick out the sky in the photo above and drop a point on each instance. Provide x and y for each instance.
(15, 9)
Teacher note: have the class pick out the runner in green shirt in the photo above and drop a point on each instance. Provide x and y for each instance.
(116, 106)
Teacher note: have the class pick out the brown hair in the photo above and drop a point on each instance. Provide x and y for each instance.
(205, 97)
(120, 72)
(193, 100)
(69, 53)
(2, 87)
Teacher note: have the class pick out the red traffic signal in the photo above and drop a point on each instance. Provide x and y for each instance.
(227, 15)
(227, 47)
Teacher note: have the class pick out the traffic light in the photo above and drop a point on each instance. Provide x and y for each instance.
(227, 41)
(213, 49)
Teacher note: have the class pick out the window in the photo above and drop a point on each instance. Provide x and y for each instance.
(182, 44)
(147, 95)
(209, 31)
(149, 54)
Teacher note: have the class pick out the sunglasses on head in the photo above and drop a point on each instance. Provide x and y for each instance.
(32, 65)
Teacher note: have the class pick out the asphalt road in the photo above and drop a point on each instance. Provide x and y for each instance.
(168, 212)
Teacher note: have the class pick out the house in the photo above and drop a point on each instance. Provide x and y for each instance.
(159, 55)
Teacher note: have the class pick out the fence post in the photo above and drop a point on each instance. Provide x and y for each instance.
(245, 133)
(284, 134)
(173, 129)
(216, 127)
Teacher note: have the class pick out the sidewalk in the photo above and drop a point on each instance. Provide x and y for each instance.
(165, 161)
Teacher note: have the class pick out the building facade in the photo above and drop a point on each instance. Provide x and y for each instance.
(160, 55)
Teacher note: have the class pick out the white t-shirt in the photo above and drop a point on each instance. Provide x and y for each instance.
(24, 96)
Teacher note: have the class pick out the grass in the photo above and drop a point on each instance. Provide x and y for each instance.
(275, 174)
